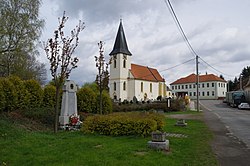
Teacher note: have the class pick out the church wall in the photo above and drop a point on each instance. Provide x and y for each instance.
(140, 95)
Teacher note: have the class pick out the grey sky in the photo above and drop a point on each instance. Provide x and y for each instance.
(219, 31)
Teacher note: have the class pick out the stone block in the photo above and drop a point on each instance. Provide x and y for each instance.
(159, 145)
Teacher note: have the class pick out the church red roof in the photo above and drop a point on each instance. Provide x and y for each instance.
(202, 78)
(146, 73)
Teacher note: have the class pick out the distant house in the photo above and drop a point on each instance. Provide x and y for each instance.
(210, 87)
(247, 90)
(129, 81)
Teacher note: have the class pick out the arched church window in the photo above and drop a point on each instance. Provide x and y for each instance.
(114, 86)
(114, 63)
(124, 85)
(141, 86)
(124, 63)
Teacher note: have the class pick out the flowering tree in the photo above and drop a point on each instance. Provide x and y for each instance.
(59, 52)
(102, 77)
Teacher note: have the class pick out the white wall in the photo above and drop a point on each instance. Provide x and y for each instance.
(219, 89)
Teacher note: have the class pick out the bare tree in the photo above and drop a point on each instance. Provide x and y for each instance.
(102, 77)
(59, 51)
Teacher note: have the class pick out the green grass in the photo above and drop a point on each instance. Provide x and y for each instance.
(21, 147)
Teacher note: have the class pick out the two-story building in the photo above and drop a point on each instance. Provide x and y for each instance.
(210, 87)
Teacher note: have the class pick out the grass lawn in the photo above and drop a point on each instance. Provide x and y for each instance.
(22, 147)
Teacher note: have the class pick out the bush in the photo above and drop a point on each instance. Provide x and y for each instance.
(86, 100)
(23, 95)
(49, 96)
(156, 105)
(35, 92)
(118, 124)
(106, 103)
(2, 97)
(43, 115)
(10, 96)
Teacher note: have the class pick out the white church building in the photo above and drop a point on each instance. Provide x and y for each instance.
(128, 80)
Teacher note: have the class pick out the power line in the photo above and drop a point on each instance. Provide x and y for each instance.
(170, 7)
(215, 68)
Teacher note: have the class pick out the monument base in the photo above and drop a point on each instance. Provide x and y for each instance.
(159, 145)
(63, 120)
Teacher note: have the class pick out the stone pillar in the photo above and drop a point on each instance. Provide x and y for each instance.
(69, 102)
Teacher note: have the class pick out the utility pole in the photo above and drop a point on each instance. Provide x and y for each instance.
(197, 83)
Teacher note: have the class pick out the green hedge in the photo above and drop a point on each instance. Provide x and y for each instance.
(118, 124)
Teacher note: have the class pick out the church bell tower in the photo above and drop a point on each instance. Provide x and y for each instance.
(120, 66)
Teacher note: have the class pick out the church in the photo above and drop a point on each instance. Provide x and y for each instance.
(129, 81)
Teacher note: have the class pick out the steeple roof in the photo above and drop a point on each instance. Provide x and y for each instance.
(120, 42)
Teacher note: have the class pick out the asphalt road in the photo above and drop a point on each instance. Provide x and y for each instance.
(231, 142)
(235, 120)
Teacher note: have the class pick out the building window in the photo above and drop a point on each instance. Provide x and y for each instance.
(114, 86)
(141, 86)
(124, 63)
(114, 63)
(151, 87)
(173, 87)
(194, 86)
(182, 87)
(212, 84)
(207, 93)
(203, 93)
(219, 84)
(186, 86)
(212, 93)
(124, 86)
(199, 85)
(207, 84)
(203, 85)
(194, 94)
(190, 93)
(190, 86)
(178, 86)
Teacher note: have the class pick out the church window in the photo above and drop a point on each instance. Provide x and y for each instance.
(124, 63)
(114, 63)
(141, 86)
(114, 86)
(151, 87)
(124, 85)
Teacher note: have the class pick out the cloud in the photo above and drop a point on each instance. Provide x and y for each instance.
(218, 33)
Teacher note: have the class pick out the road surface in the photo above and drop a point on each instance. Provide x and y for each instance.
(231, 128)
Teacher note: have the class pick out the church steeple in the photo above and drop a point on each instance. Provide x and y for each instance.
(120, 42)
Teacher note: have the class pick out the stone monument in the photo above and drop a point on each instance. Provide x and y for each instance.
(69, 103)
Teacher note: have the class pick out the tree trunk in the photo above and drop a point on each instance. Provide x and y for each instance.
(57, 109)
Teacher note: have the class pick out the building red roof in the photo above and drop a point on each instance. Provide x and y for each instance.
(145, 73)
(202, 78)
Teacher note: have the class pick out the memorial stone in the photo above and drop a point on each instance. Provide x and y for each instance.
(69, 102)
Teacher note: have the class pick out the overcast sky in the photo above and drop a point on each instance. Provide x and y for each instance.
(218, 30)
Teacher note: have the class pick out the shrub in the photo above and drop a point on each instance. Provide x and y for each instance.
(8, 89)
(106, 103)
(23, 95)
(43, 115)
(86, 100)
(36, 93)
(49, 96)
(2, 97)
(118, 124)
